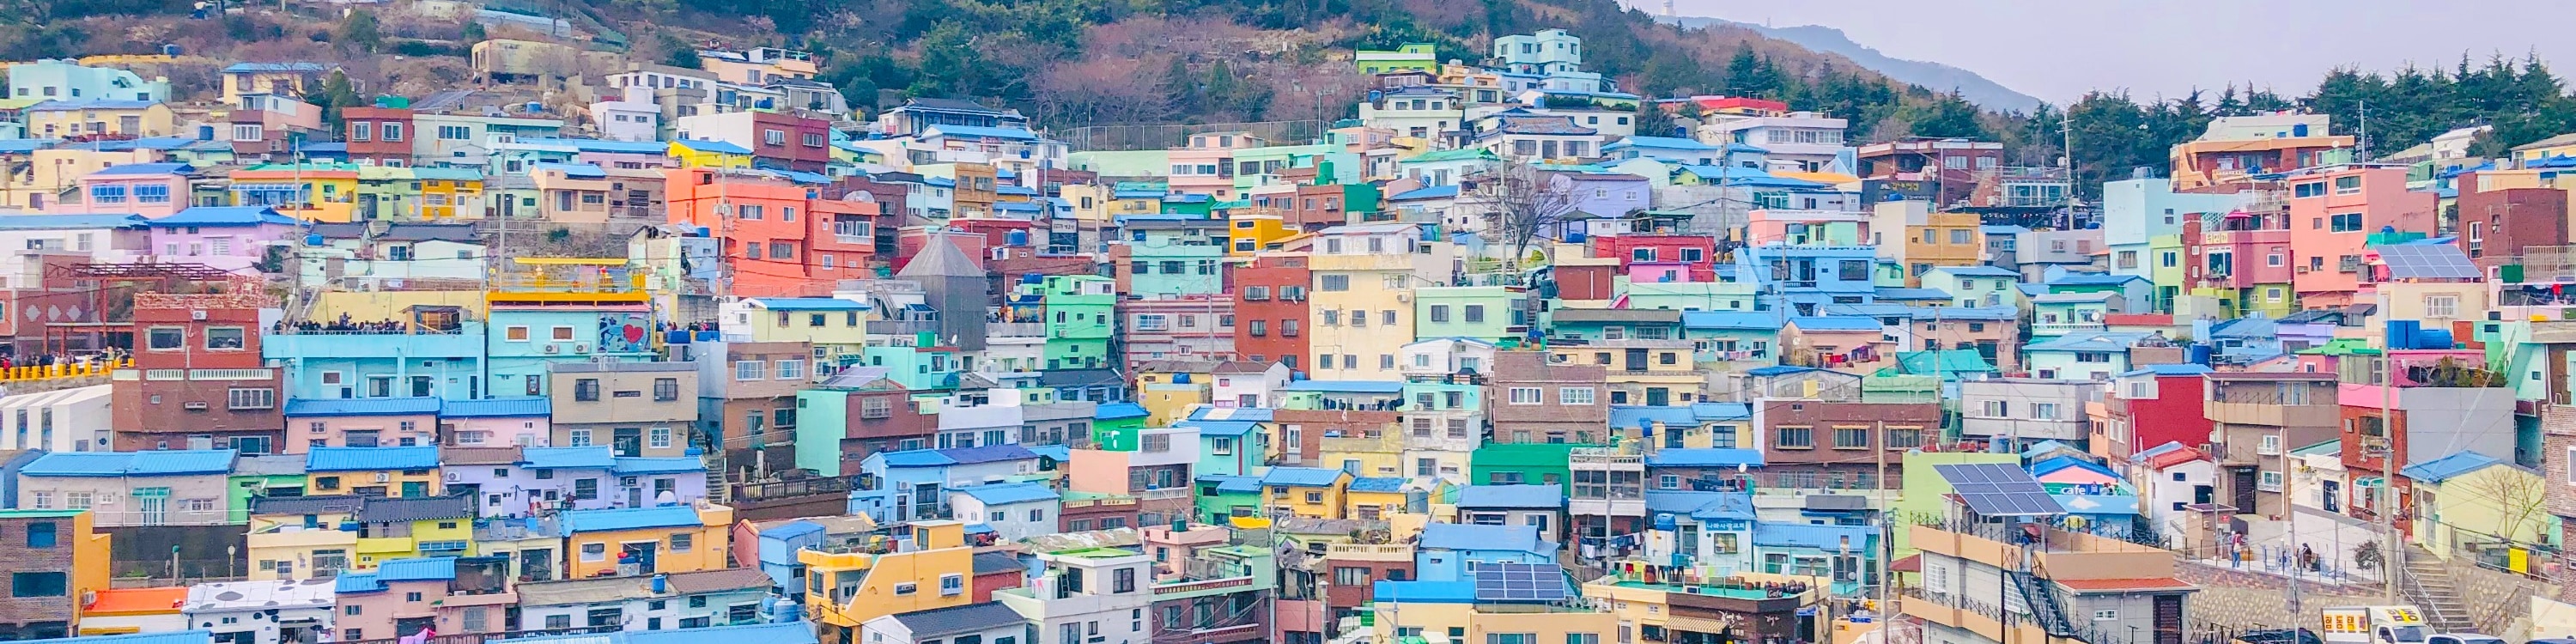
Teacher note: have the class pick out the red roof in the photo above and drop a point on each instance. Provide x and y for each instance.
(2176, 457)
(137, 600)
(2125, 584)
(1910, 563)
(2138, 319)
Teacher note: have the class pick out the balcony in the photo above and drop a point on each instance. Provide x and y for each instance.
(1606, 458)
(2063, 328)
(1164, 494)
(467, 342)
(2272, 414)
(854, 240)
(1016, 329)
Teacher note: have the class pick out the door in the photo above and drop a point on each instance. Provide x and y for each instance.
(634, 496)
(629, 441)
(2168, 619)
(2245, 489)
(154, 508)
(420, 385)
(537, 564)
(640, 555)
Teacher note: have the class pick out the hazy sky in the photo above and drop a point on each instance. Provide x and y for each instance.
(2058, 49)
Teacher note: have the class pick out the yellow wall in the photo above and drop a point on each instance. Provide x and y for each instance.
(1438, 618)
(89, 556)
(1167, 403)
(1248, 234)
(695, 159)
(2487, 505)
(151, 121)
(943, 553)
(393, 483)
(1293, 499)
(709, 543)
(1392, 502)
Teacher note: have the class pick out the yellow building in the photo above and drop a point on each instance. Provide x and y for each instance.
(401, 472)
(302, 537)
(2557, 146)
(1373, 499)
(1310, 492)
(834, 326)
(47, 543)
(449, 193)
(1170, 402)
(1946, 239)
(1375, 451)
(1362, 312)
(1669, 376)
(1248, 233)
(323, 192)
(50, 172)
(846, 588)
(138, 119)
(643, 541)
(710, 154)
(2469, 498)
(1702, 609)
(1440, 614)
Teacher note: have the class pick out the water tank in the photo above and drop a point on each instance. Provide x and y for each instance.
(2199, 354)
(1664, 521)
(2299, 130)
(785, 610)
(1016, 238)
(2433, 339)
(1574, 237)
(2401, 334)
(661, 584)
(312, 240)
(171, 50)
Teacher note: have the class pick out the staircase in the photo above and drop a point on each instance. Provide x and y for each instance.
(2428, 585)
(2043, 604)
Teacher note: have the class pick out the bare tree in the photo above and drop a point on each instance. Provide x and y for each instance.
(1522, 203)
(2519, 498)
(1104, 90)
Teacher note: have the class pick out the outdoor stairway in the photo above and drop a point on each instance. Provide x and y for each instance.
(2429, 586)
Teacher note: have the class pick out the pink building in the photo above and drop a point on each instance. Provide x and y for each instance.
(1849, 344)
(403, 597)
(2333, 212)
(1206, 165)
(1173, 549)
(231, 238)
(1807, 227)
(152, 190)
(360, 422)
(497, 422)
(2238, 250)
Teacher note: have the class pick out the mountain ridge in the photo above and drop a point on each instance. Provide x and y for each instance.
(1935, 76)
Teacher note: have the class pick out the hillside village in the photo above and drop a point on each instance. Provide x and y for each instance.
(1502, 354)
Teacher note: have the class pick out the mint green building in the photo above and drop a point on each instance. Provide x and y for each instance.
(1080, 315)
(1221, 497)
(1489, 313)
(1523, 464)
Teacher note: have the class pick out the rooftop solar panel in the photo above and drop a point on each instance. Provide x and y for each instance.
(2426, 261)
(1999, 490)
(1519, 582)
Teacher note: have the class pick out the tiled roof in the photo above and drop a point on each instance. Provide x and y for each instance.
(155, 463)
(496, 407)
(416, 405)
(359, 459)
(629, 519)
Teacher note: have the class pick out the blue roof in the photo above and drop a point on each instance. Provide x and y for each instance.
(1220, 427)
(1057, 453)
(2448, 467)
(23, 146)
(1779, 370)
(1425, 592)
(1014, 190)
(2003, 312)
(52, 222)
(602, 145)
(361, 459)
(1898, 293)
(91, 104)
(496, 407)
(1747, 177)
(1434, 192)
(154, 463)
(1252, 414)
(546, 458)
(1817, 323)
(1701, 505)
(1460, 536)
(409, 405)
(239, 68)
(809, 304)
(1238, 484)
(1820, 537)
(2246, 328)
(792, 529)
(1108, 411)
(1643, 416)
(2102, 504)
(1348, 386)
(140, 169)
(2098, 341)
(986, 454)
(584, 170)
(1301, 476)
(1704, 457)
(2094, 279)
(669, 465)
(969, 131)
(417, 569)
(1730, 320)
(2170, 370)
(915, 458)
(629, 519)
(226, 216)
(2061, 463)
(718, 147)
(364, 582)
(1977, 271)
(1377, 484)
(1008, 493)
(1658, 142)
(1527, 497)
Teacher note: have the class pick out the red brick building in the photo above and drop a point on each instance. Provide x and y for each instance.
(1270, 309)
(792, 142)
(2496, 225)
(779, 238)
(200, 381)
(1827, 444)
(378, 135)
(1557, 423)
(1698, 251)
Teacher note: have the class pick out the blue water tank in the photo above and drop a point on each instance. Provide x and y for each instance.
(1033, 278)
(2199, 354)
(2300, 130)
(2401, 334)
(2433, 339)
(1016, 238)
(661, 584)
(1180, 379)
(312, 240)
(1574, 237)
(1664, 521)
(786, 611)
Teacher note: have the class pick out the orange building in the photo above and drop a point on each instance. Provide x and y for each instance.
(778, 237)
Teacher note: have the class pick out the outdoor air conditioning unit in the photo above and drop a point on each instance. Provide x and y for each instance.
(1404, 297)
(552, 349)
(581, 348)
(454, 477)
(382, 477)
(198, 315)
(195, 406)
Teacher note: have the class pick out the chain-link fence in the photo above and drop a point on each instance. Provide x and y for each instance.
(1166, 136)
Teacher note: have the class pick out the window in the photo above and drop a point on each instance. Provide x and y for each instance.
(594, 552)
(2271, 481)
(1333, 283)
(906, 588)
(1796, 438)
(749, 369)
(2347, 185)
(586, 390)
(1439, 312)
(1122, 580)
(2441, 306)
(791, 369)
(1904, 437)
(952, 584)
(1574, 395)
(666, 389)
(1851, 438)
(2106, 615)
(223, 338)
(455, 132)
(2344, 223)
(659, 438)
(40, 534)
(1526, 396)
(250, 399)
(2043, 411)
(682, 541)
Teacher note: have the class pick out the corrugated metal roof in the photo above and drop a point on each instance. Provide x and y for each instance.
(1008, 493)
(628, 519)
(416, 405)
(592, 457)
(1456, 536)
(173, 637)
(497, 407)
(1377, 484)
(156, 463)
(1118, 410)
(2448, 467)
(809, 304)
(1302, 476)
(954, 620)
(1705, 457)
(1821, 537)
(673, 465)
(361, 459)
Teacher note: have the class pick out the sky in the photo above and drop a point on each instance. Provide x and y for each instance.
(2059, 49)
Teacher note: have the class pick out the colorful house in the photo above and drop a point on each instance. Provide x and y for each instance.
(846, 589)
(1310, 492)
(401, 472)
(643, 541)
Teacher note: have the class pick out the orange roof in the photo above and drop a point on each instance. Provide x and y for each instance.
(137, 601)
(2175, 457)
(2132, 583)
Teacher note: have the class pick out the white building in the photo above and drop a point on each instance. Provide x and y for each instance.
(989, 622)
(263, 612)
(1087, 597)
(633, 116)
(1248, 384)
(1014, 511)
(62, 420)
(2026, 410)
(1797, 141)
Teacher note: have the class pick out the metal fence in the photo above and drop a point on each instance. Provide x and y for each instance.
(1167, 136)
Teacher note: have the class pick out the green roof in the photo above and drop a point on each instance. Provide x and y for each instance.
(1945, 361)
(1096, 553)
(2320, 449)
(2342, 347)
(1468, 154)
(1524, 454)
(38, 514)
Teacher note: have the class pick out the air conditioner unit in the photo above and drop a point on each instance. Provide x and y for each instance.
(581, 348)
(197, 315)
(552, 349)
(1404, 297)
(455, 477)
(194, 406)
(383, 477)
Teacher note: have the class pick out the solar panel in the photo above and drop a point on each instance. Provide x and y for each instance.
(1519, 582)
(2426, 261)
(1999, 490)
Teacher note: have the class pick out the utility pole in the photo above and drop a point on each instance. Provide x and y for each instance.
(2388, 551)
(2362, 142)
